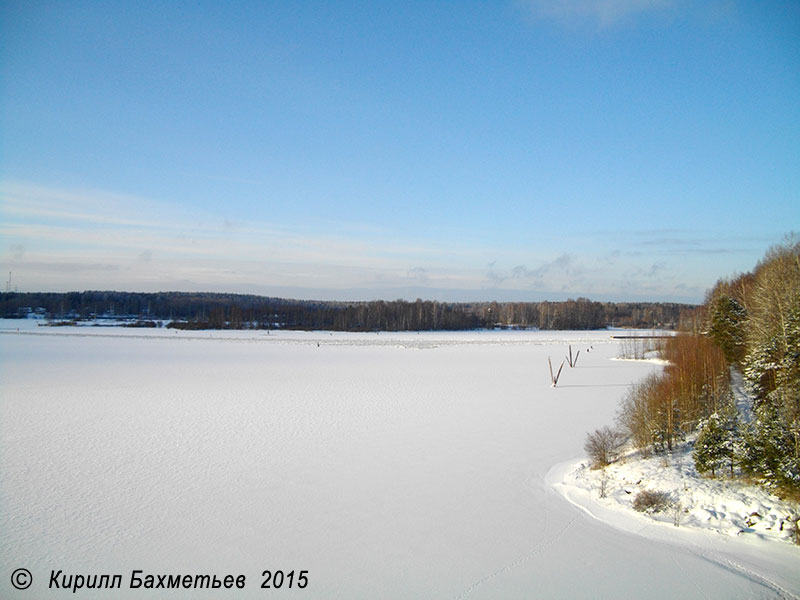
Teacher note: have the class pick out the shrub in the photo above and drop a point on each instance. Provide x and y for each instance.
(651, 501)
(603, 446)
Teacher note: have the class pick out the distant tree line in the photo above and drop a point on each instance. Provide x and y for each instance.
(238, 311)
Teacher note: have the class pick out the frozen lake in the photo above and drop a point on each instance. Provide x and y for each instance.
(385, 465)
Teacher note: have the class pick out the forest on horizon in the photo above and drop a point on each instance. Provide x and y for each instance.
(188, 310)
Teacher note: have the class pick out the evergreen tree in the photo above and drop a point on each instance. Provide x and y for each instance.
(727, 327)
(714, 446)
(767, 446)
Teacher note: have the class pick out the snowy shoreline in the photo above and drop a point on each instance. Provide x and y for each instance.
(741, 528)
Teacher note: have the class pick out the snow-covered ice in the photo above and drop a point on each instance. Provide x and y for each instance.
(398, 465)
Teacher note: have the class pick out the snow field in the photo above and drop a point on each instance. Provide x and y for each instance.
(387, 466)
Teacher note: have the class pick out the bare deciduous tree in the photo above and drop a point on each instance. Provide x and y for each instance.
(604, 446)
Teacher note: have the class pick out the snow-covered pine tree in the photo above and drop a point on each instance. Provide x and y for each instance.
(714, 445)
(765, 445)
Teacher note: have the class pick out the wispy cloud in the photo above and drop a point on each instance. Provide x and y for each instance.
(561, 273)
(34, 216)
(605, 13)
(562, 264)
(692, 243)
(55, 239)
(419, 274)
(654, 270)
(45, 231)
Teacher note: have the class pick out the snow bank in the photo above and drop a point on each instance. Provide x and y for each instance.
(726, 506)
(727, 521)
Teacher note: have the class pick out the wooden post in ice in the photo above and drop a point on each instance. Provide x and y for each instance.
(554, 380)
(572, 361)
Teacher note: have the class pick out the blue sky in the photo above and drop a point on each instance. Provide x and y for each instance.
(509, 150)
